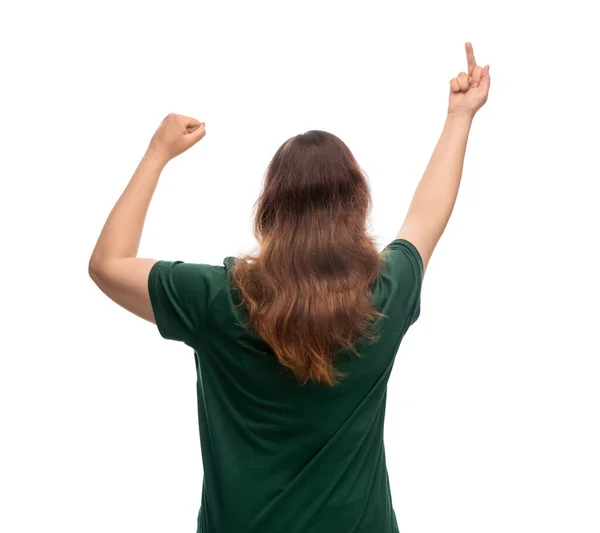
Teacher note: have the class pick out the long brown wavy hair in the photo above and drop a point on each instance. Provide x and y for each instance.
(308, 291)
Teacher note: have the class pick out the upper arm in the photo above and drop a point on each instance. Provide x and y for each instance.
(422, 235)
(404, 266)
(172, 294)
(181, 294)
(125, 281)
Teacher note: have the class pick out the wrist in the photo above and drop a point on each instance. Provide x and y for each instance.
(155, 159)
(461, 116)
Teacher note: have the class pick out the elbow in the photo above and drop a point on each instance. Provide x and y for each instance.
(94, 269)
(101, 270)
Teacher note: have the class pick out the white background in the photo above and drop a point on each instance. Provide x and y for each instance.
(493, 419)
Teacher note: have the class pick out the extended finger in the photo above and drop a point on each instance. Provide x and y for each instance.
(463, 81)
(476, 76)
(471, 63)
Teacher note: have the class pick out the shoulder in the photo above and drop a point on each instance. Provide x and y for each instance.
(398, 288)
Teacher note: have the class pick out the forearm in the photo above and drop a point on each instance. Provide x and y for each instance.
(122, 231)
(435, 196)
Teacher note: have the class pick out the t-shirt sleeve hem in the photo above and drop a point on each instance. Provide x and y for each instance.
(157, 308)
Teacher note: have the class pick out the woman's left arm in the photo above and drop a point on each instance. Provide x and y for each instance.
(114, 265)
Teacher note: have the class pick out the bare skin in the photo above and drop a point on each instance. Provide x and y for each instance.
(114, 265)
(123, 277)
(435, 196)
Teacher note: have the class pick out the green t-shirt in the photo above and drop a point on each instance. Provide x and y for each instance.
(279, 457)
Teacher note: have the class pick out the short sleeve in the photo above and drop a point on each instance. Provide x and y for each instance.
(405, 266)
(180, 294)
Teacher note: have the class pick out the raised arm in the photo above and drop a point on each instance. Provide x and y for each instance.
(435, 196)
(114, 265)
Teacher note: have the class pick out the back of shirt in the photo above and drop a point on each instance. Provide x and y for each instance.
(278, 456)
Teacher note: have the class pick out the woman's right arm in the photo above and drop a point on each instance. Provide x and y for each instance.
(435, 196)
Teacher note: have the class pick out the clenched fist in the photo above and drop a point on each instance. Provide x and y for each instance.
(175, 135)
(469, 90)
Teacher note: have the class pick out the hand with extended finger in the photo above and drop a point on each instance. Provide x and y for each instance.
(469, 90)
